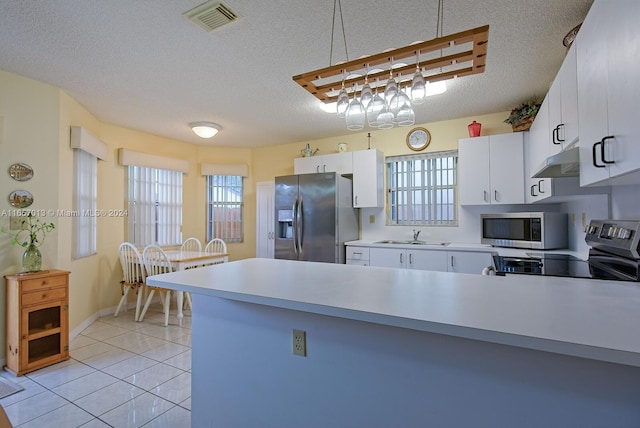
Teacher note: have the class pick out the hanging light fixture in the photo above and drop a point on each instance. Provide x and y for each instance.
(460, 54)
(205, 129)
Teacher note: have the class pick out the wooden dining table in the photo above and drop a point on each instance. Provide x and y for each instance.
(181, 260)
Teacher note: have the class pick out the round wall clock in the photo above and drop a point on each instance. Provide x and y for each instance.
(418, 139)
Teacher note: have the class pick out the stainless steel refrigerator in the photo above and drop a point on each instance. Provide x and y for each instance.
(314, 217)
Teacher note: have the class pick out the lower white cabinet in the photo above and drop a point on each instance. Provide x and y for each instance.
(468, 261)
(429, 259)
(357, 256)
(408, 259)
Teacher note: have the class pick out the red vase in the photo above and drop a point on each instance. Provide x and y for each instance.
(474, 129)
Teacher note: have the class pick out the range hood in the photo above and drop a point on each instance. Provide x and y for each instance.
(563, 164)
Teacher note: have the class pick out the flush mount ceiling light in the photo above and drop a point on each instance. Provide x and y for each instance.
(412, 72)
(205, 129)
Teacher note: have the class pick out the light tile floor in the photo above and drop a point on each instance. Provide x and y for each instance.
(121, 374)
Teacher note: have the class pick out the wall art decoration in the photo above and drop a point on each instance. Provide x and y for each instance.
(21, 172)
(20, 198)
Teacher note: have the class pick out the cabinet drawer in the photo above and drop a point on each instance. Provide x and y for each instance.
(42, 283)
(358, 253)
(54, 294)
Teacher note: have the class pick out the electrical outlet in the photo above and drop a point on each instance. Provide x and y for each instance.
(15, 222)
(372, 219)
(299, 343)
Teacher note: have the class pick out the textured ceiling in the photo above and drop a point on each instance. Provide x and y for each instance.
(141, 64)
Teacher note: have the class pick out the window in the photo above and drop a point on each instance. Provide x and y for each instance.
(85, 197)
(422, 189)
(225, 207)
(154, 206)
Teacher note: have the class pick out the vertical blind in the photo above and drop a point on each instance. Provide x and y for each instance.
(155, 206)
(225, 207)
(85, 203)
(423, 189)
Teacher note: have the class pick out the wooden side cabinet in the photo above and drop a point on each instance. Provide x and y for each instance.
(37, 320)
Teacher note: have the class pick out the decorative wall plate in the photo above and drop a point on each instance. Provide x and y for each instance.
(20, 172)
(20, 198)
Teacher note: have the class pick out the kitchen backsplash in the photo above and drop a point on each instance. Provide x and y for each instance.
(580, 211)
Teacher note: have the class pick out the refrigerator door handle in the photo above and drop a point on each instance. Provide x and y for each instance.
(300, 221)
(294, 226)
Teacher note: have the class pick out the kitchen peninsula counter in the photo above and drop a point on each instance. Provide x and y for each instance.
(384, 342)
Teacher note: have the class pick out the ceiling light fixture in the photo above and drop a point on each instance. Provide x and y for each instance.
(205, 129)
(437, 60)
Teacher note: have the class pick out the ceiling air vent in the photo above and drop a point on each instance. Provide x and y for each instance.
(211, 15)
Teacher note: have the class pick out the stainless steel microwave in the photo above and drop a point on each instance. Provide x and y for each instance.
(535, 230)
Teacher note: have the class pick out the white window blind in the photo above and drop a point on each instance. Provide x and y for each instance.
(85, 197)
(154, 206)
(422, 189)
(225, 207)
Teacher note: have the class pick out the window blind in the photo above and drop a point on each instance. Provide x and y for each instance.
(84, 203)
(155, 206)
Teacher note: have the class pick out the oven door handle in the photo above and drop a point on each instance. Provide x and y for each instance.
(603, 262)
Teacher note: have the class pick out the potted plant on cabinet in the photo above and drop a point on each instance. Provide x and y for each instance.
(30, 236)
(522, 116)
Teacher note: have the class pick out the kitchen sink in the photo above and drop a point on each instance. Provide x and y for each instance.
(417, 242)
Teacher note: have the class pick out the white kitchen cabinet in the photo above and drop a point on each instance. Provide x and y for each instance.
(535, 152)
(368, 179)
(265, 219)
(468, 261)
(357, 255)
(341, 163)
(563, 106)
(608, 90)
(408, 259)
(491, 169)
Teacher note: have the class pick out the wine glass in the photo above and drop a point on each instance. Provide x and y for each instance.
(355, 114)
(366, 95)
(418, 87)
(343, 99)
(375, 106)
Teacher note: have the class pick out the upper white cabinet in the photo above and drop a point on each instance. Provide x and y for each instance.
(608, 49)
(535, 152)
(341, 163)
(491, 169)
(368, 179)
(563, 106)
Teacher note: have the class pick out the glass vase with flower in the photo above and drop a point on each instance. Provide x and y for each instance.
(31, 235)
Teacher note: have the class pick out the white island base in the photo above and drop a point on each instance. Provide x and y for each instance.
(393, 348)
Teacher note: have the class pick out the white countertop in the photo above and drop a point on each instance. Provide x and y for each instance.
(587, 318)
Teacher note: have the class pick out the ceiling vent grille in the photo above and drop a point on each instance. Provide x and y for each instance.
(211, 15)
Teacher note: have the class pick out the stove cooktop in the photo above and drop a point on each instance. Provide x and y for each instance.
(543, 264)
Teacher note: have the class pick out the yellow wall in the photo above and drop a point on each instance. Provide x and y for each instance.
(37, 119)
(270, 162)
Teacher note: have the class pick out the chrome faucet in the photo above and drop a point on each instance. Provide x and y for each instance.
(416, 233)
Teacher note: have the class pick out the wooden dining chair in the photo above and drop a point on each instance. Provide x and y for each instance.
(133, 276)
(156, 262)
(191, 244)
(216, 245)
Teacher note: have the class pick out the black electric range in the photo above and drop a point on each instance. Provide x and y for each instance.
(614, 255)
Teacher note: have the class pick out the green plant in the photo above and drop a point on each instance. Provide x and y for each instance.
(523, 112)
(32, 231)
